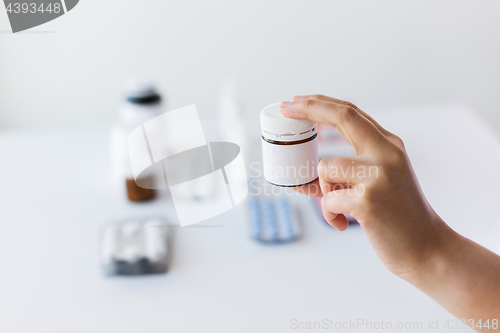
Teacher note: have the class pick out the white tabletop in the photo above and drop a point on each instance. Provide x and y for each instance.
(56, 193)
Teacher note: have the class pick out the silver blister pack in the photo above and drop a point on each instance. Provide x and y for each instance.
(135, 247)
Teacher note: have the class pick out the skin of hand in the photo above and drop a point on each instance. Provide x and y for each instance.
(379, 188)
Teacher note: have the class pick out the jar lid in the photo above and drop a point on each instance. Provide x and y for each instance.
(140, 91)
(277, 127)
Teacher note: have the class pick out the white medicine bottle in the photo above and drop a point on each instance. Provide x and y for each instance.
(289, 148)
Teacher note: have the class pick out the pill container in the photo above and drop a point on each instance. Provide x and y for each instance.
(142, 102)
(289, 148)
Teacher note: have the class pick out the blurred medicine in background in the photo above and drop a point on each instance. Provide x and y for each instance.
(135, 247)
(142, 103)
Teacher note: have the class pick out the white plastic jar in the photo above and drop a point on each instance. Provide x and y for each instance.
(289, 148)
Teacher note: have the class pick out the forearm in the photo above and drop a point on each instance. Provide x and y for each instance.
(463, 277)
(409, 238)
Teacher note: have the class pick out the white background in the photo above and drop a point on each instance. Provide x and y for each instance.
(374, 53)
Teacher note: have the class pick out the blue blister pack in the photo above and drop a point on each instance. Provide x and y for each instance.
(273, 220)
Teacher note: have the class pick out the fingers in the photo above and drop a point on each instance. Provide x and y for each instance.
(328, 186)
(313, 189)
(318, 187)
(335, 203)
(339, 221)
(344, 170)
(339, 101)
(380, 128)
(361, 133)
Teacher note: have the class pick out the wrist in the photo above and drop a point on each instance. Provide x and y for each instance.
(460, 275)
(436, 256)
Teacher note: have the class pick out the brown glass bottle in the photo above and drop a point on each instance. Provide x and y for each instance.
(136, 193)
(143, 103)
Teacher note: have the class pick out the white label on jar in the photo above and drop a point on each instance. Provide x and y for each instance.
(290, 165)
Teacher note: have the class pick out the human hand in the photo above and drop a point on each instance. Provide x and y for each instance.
(408, 236)
(382, 193)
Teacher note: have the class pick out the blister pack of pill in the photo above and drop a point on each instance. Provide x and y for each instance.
(135, 247)
(273, 219)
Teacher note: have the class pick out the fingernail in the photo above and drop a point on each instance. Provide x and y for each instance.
(323, 189)
(286, 104)
(298, 98)
(323, 168)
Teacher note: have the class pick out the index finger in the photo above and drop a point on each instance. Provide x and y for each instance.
(354, 127)
(339, 101)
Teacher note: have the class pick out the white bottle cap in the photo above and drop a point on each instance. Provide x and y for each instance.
(277, 127)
